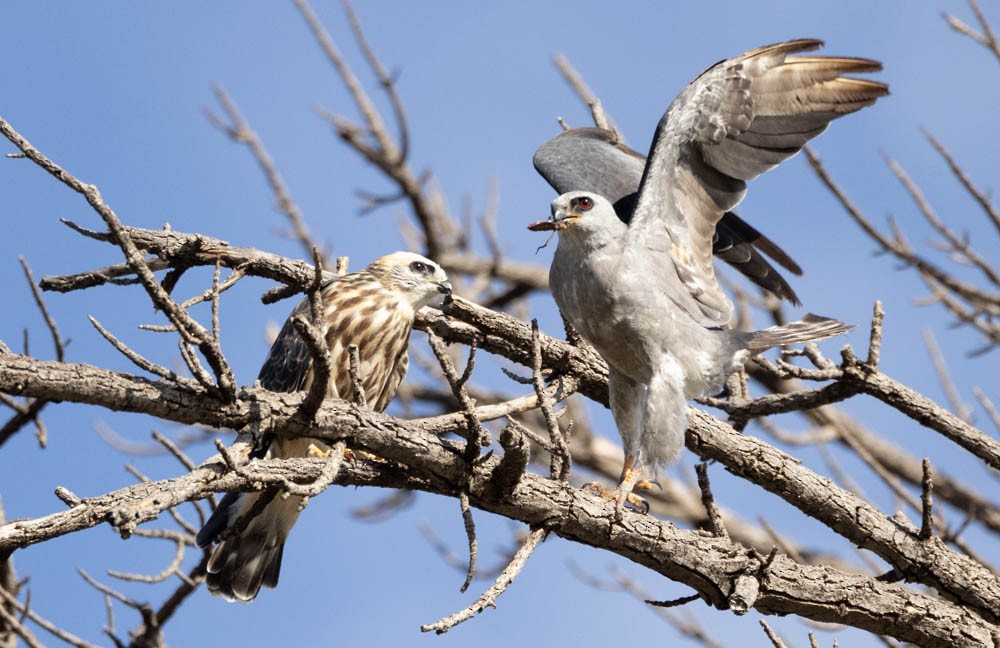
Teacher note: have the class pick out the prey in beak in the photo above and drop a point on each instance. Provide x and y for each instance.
(548, 225)
(564, 212)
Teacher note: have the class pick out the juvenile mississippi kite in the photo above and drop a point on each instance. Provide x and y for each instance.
(644, 294)
(373, 309)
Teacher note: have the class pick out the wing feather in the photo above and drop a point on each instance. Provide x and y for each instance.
(595, 160)
(738, 119)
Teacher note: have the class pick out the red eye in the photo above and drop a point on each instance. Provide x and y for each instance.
(584, 203)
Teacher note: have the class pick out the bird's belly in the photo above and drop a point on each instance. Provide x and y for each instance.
(637, 330)
(603, 314)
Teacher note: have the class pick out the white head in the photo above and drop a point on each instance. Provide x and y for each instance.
(418, 278)
(581, 212)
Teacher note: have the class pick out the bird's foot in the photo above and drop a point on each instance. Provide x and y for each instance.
(315, 451)
(620, 496)
(629, 481)
(361, 455)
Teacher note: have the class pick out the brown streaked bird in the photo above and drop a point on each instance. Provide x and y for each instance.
(372, 309)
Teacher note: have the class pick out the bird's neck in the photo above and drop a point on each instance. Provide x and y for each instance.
(594, 239)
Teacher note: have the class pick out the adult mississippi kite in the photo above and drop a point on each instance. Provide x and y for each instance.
(372, 309)
(644, 294)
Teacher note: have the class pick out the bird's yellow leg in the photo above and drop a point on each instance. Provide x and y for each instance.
(350, 455)
(623, 492)
(314, 451)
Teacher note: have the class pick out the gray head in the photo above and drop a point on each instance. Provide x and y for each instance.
(581, 213)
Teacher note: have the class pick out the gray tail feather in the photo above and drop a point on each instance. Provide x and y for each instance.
(809, 328)
(244, 561)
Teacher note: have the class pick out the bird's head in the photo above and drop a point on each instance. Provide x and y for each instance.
(578, 211)
(418, 278)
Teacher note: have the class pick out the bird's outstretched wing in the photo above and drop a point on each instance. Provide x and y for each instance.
(594, 160)
(735, 121)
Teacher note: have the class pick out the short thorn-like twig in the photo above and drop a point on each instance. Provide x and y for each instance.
(927, 502)
(875, 338)
(677, 602)
(715, 523)
(357, 380)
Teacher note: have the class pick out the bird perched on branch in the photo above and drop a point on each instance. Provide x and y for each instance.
(644, 292)
(372, 309)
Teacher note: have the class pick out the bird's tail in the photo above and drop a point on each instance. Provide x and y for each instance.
(249, 552)
(809, 328)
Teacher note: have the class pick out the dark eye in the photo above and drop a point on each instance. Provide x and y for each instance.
(418, 267)
(584, 203)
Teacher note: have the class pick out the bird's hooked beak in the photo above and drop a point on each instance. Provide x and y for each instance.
(560, 220)
(444, 287)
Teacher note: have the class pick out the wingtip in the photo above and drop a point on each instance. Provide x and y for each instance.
(787, 47)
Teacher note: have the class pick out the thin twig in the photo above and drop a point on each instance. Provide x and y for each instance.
(561, 460)
(323, 481)
(57, 340)
(585, 94)
(139, 361)
(166, 573)
(982, 198)
(322, 366)
(470, 533)
(988, 405)
(987, 38)
(385, 80)
(46, 625)
(239, 131)
(191, 331)
(960, 408)
(489, 597)
(775, 640)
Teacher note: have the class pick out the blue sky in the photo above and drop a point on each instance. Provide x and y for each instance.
(115, 93)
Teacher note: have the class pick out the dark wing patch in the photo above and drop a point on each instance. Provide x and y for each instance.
(288, 363)
(593, 160)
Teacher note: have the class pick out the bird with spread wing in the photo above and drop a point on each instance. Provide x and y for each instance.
(638, 283)
(372, 309)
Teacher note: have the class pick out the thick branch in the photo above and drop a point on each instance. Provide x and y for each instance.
(929, 562)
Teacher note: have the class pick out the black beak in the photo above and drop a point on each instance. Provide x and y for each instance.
(444, 287)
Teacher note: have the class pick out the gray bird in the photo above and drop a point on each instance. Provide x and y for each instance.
(644, 293)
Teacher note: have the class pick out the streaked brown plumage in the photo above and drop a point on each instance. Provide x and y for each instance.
(372, 309)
